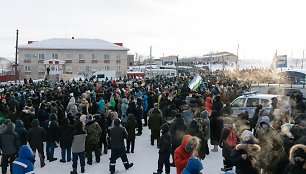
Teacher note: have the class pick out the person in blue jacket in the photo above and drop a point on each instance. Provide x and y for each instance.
(24, 163)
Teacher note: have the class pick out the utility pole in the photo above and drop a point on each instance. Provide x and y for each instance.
(237, 57)
(151, 61)
(16, 53)
(302, 61)
(210, 61)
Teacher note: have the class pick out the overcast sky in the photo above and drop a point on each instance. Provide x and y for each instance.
(172, 27)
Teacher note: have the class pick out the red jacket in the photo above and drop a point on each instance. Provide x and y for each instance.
(181, 157)
(208, 105)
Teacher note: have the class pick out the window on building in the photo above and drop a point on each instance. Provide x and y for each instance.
(82, 69)
(81, 57)
(118, 68)
(54, 56)
(68, 69)
(41, 56)
(93, 57)
(118, 57)
(106, 57)
(106, 67)
(68, 56)
(27, 68)
(28, 55)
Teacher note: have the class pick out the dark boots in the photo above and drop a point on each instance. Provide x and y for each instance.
(82, 169)
(74, 171)
(128, 165)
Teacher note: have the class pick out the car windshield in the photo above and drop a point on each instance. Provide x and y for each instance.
(239, 102)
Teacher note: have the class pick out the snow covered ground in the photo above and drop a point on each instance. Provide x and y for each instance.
(144, 159)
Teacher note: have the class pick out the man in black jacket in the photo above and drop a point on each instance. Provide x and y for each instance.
(117, 135)
(9, 146)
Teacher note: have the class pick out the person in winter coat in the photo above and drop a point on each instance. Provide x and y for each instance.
(145, 109)
(9, 142)
(24, 163)
(187, 115)
(164, 150)
(51, 127)
(101, 120)
(133, 110)
(22, 132)
(297, 159)
(244, 154)
(101, 104)
(124, 107)
(217, 104)
(65, 139)
(4, 125)
(70, 104)
(155, 121)
(35, 137)
(300, 106)
(226, 149)
(216, 126)
(194, 130)
(205, 126)
(177, 131)
(94, 133)
(263, 129)
(130, 128)
(208, 104)
(117, 135)
(181, 156)
(42, 115)
(139, 116)
(78, 147)
(271, 160)
(287, 138)
(255, 117)
(194, 165)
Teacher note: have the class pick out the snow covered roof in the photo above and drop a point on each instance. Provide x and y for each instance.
(74, 44)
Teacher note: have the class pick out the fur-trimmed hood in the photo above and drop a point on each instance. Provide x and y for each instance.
(292, 153)
(251, 149)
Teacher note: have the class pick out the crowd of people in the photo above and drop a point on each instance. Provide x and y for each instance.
(85, 118)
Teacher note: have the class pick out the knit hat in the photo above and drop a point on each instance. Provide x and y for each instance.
(10, 126)
(191, 144)
(164, 128)
(247, 135)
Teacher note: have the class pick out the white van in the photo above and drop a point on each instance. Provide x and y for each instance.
(248, 102)
(102, 75)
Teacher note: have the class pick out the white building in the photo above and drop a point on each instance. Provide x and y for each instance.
(71, 57)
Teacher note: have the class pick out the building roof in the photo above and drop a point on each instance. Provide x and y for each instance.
(218, 54)
(74, 44)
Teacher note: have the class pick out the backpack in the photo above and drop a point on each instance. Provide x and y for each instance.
(231, 139)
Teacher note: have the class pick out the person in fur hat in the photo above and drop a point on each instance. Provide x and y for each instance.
(243, 156)
(297, 159)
